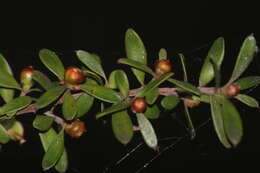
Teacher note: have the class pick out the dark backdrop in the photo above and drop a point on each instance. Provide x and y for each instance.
(186, 28)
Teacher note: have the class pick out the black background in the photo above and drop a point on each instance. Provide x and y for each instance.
(186, 28)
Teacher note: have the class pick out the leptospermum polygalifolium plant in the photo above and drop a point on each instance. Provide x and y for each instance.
(77, 88)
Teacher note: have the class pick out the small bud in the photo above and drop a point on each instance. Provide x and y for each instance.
(74, 75)
(76, 129)
(162, 66)
(26, 78)
(231, 90)
(139, 105)
(191, 103)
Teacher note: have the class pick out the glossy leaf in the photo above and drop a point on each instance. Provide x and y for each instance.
(91, 62)
(162, 54)
(4, 137)
(50, 96)
(216, 53)
(191, 128)
(122, 82)
(170, 102)
(122, 127)
(135, 50)
(152, 96)
(153, 84)
(15, 105)
(101, 93)
(232, 122)
(244, 58)
(136, 65)
(46, 139)
(54, 151)
(249, 101)
(42, 79)
(8, 81)
(185, 86)
(114, 108)
(248, 82)
(112, 80)
(147, 131)
(218, 123)
(69, 107)
(84, 103)
(52, 62)
(152, 112)
(42, 122)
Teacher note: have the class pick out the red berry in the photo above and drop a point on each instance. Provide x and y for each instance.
(231, 90)
(76, 129)
(26, 77)
(74, 75)
(191, 103)
(139, 105)
(162, 66)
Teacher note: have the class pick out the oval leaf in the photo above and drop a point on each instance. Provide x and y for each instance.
(84, 103)
(52, 62)
(69, 107)
(122, 127)
(18, 128)
(101, 93)
(135, 50)
(54, 151)
(153, 84)
(42, 79)
(122, 82)
(248, 82)
(249, 101)
(162, 54)
(147, 131)
(50, 96)
(8, 81)
(244, 58)
(91, 62)
(170, 102)
(112, 80)
(42, 122)
(217, 118)
(232, 122)
(4, 137)
(216, 53)
(152, 96)
(185, 86)
(152, 112)
(15, 105)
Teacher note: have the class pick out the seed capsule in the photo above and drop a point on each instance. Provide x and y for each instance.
(162, 67)
(232, 90)
(76, 129)
(191, 103)
(26, 78)
(139, 105)
(74, 75)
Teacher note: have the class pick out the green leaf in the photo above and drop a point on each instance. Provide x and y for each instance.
(249, 101)
(216, 73)
(170, 102)
(4, 137)
(15, 105)
(248, 82)
(69, 107)
(152, 112)
(153, 84)
(112, 80)
(8, 81)
(135, 50)
(4, 66)
(216, 53)
(136, 64)
(147, 131)
(244, 58)
(185, 76)
(191, 128)
(232, 122)
(152, 96)
(54, 151)
(122, 82)
(90, 74)
(42, 122)
(50, 96)
(122, 127)
(185, 86)
(46, 139)
(218, 123)
(114, 108)
(101, 93)
(162, 54)
(52, 62)
(84, 103)
(91, 62)
(42, 79)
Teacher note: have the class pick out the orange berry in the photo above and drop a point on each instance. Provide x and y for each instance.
(139, 105)
(74, 75)
(76, 129)
(162, 66)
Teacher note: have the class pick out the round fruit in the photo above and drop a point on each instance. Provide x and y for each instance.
(163, 66)
(74, 75)
(76, 129)
(26, 77)
(231, 90)
(139, 105)
(191, 103)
